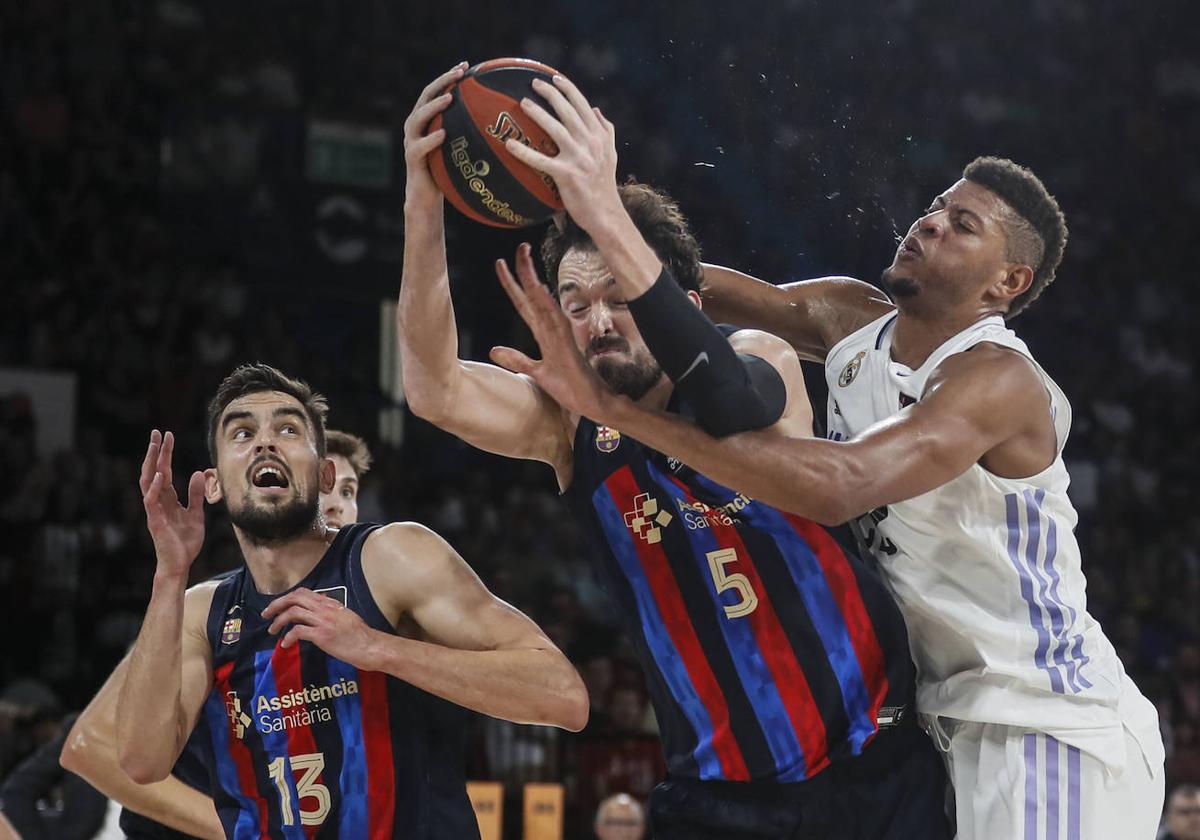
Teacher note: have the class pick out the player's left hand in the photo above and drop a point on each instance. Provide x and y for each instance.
(562, 371)
(319, 619)
(585, 168)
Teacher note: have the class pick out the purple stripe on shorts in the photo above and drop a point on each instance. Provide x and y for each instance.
(1031, 794)
(1051, 788)
(1073, 802)
(1026, 582)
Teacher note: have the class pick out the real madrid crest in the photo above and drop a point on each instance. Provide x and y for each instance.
(851, 369)
(233, 628)
(607, 440)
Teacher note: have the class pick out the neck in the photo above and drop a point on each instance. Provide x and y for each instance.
(916, 335)
(277, 567)
(659, 395)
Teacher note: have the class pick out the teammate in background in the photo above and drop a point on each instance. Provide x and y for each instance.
(776, 661)
(947, 440)
(620, 817)
(1183, 814)
(179, 805)
(316, 668)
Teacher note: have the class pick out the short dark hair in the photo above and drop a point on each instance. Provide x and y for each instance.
(1037, 233)
(351, 447)
(254, 379)
(656, 215)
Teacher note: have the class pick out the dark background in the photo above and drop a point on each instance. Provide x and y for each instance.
(161, 220)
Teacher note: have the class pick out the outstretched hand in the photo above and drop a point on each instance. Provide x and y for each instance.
(562, 371)
(177, 531)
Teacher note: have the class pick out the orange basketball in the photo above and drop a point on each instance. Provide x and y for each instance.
(472, 168)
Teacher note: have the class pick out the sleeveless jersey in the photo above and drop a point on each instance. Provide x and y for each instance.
(986, 569)
(304, 745)
(769, 649)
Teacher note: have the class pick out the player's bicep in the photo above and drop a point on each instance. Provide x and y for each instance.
(507, 414)
(415, 571)
(937, 439)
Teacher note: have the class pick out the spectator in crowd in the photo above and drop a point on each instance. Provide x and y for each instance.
(620, 817)
(1183, 814)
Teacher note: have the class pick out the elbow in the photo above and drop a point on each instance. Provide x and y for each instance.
(574, 706)
(837, 503)
(139, 767)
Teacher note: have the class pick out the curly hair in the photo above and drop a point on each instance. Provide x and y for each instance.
(660, 221)
(1036, 227)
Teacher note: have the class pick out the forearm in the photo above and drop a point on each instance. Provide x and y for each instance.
(150, 723)
(632, 261)
(91, 752)
(808, 477)
(527, 685)
(426, 328)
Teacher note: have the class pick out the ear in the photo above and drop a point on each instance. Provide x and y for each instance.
(694, 297)
(327, 474)
(1016, 281)
(212, 487)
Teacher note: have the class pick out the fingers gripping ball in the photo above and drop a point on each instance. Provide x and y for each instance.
(472, 168)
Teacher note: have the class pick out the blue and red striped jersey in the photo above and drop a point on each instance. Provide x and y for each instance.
(304, 745)
(770, 648)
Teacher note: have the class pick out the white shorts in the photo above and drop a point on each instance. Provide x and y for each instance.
(1018, 784)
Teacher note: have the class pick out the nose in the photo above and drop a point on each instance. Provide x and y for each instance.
(600, 319)
(931, 223)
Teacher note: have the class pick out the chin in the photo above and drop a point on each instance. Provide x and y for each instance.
(898, 286)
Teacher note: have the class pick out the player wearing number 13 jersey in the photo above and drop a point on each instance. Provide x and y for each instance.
(301, 742)
(326, 668)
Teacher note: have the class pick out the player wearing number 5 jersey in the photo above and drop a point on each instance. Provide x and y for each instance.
(322, 673)
(776, 662)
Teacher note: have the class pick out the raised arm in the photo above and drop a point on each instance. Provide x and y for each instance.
(90, 751)
(170, 666)
(812, 315)
(476, 651)
(485, 405)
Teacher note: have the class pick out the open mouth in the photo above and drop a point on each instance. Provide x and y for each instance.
(268, 476)
(910, 246)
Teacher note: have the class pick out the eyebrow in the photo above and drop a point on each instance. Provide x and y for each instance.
(958, 208)
(282, 411)
(571, 286)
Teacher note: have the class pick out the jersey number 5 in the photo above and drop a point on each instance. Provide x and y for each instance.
(311, 764)
(717, 561)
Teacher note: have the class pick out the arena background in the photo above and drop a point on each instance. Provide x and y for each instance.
(187, 185)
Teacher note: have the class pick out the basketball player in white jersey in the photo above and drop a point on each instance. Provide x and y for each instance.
(947, 441)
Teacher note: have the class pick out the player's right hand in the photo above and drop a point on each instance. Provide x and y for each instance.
(419, 187)
(177, 531)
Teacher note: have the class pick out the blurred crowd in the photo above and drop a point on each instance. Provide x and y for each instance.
(149, 155)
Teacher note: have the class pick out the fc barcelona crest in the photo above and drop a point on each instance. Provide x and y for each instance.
(851, 369)
(607, 440)
(233, 627)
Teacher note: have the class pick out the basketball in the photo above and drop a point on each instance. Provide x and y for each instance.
(472, 168)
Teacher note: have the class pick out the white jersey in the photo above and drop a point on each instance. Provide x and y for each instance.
(987, 570)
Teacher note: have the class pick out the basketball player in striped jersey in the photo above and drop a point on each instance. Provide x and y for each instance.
(776, 661)
(947, 442)
(325, 669)
(179, 806)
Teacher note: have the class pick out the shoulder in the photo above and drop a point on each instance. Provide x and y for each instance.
(765, 345)
(997, 386)
(405, 560)
(197, 604)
